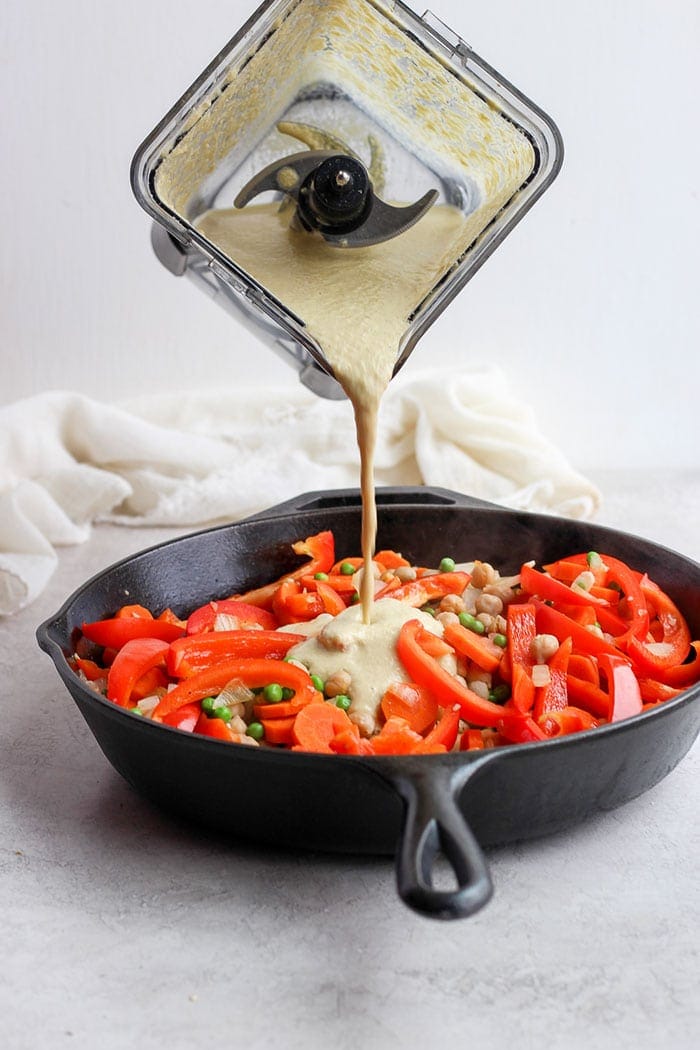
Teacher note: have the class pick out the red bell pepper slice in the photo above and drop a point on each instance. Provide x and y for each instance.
(567, 569)
(245, 615)
(429, 588)
(92, 671)
(551, 621)
(476, 647)
(117, 631)
(656, 692)
(132, 661)
(675, 634)
(685, 674)
(522, 628)
(320, 550)
(519, 728)
(584, 667)
(567, 720)
(635, 605)
(253, 673)
(625, 695)
(188, 656)
(447, 689)
(444, 734)
(184, 718)
(471, 740)
(554, 696)
(548, 588)
(332, 602)
(522, 695)
(588, 695)
(292, 604)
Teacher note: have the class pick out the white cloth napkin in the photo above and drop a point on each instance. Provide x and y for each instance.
(193, 458)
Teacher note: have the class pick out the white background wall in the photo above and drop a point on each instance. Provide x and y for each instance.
(591, 305)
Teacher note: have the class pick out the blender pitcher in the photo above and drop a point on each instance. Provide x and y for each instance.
(358, 115)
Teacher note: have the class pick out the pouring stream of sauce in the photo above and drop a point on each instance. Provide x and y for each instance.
(354, 302)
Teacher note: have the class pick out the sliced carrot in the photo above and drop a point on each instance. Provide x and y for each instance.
(411, 702)
(396, 738)
(138, 612)
(278, 730)
(316, 725)
(349, 742)
(391, 559)
(286, 708)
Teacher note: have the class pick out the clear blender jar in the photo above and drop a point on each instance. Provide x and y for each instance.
(401, 93)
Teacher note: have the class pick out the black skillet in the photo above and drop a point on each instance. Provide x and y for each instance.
(413, 806)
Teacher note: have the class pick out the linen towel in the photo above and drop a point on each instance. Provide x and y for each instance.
(67, 460)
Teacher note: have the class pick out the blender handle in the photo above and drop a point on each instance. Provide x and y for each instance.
(389, 496)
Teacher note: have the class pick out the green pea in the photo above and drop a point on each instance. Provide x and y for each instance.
(224, 713)
(500, 639)
(318, 683)
(273, 693)
(321, 576)
(355, 598)
(136, 711)
(287, 694)
(256, 730)
(208, 705)
(499, 694)
(343, 702)
(467, 620)
(447, 565)
(347, 569)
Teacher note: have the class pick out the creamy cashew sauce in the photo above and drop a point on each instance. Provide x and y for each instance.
(367, 651)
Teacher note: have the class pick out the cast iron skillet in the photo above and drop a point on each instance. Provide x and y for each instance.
(413, 806)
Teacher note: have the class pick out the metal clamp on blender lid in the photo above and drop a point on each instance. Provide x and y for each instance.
(335, 197)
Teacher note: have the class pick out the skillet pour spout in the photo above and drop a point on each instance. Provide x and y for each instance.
(417, 808)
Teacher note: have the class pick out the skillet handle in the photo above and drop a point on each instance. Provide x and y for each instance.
(433, 824)
(394, 495)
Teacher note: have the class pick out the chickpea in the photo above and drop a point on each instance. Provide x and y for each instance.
(480, 688)
(338, 684)
(451, 603)
(543, 647)
(489, 603)
(406, 573)
(483, 573)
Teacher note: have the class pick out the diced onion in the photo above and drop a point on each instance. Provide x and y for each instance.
(148, 704)
(541, 675)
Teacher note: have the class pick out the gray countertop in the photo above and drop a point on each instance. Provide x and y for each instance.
(122, 928)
